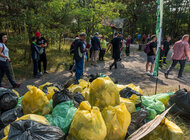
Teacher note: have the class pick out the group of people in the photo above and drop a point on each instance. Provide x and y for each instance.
(181, 53)
(38, 54)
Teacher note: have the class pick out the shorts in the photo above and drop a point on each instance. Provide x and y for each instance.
(151, 59)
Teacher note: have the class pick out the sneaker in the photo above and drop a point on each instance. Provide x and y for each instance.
(37, 76)
(17, 86)
(151, 73)
(166, 75)
(46, 72)
(147, 72)
(41, 73)
(180, 77)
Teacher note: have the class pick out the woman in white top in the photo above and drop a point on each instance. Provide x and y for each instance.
(4, 61)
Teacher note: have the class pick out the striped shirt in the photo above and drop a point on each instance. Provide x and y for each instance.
(180, 50)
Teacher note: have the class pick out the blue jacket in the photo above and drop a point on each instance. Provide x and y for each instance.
(95, 42)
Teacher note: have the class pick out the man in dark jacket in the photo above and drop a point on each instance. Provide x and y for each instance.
(79, 56)
(116, 50)
(43, 44)
(95, 42)
(35, 56)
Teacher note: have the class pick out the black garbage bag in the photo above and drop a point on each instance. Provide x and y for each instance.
(181, 99)
(138, 119)
(8, 99)
(2, 133)
(45, 88)
(61, 96)
(69, 83)
(31, 130)
(78, 97)
(128, 92)
(11, 115)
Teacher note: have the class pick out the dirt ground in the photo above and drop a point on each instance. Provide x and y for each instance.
(130, 70)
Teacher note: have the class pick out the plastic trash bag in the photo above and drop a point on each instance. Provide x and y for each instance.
(167, 130)
(86, 93)
(131, 94)
(78, 97)
(34, 117)
(103, 93)
(182, 103)
(153, 106)
(136, 88)
(49, 89)
(11, 115)
(84, 84)
(35, 102)
(87, 124)
(62, 115)
(19, 102)
(31, 130)
(138, 119)
(8, 99)
(61, 96)
(75, 88)
(117, 120)
(129, 104)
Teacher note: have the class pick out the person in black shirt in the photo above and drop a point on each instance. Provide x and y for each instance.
(151, 55)
(116, 51)
(79, 56)
(166, 47)
(43, 43)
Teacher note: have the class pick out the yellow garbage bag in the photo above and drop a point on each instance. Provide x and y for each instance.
(103, 93)
(84, 84)
(133, 87)
(117, 121)
(50, 89)
(35, 102)
(34, 117)
(75, 88)
(167, 130)
(85, 93)
(87, 124)
(120, 87)
(130, 105)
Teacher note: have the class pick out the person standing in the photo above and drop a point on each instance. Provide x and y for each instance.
(167, 45)
(151, 55)
(35, 53)
(116, 51)
(79, 56)
(41, 42)
(144, 39)
(95, 42)
(103, 45)
(4, 61)
(148, 38)
(128, 43)
(181, 51)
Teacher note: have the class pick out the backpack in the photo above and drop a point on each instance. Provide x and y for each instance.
(3, 48)
(147, 48)
(72, 49)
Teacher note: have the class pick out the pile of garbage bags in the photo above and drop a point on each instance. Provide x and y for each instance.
(96, 108)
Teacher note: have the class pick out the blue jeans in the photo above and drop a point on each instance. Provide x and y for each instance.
(4, 69)
(79, 69)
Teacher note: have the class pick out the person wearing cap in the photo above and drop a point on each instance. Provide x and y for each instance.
(79, 55)
(95, 42)
(38, 34)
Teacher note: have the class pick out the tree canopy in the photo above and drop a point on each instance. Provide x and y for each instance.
(65, 18)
